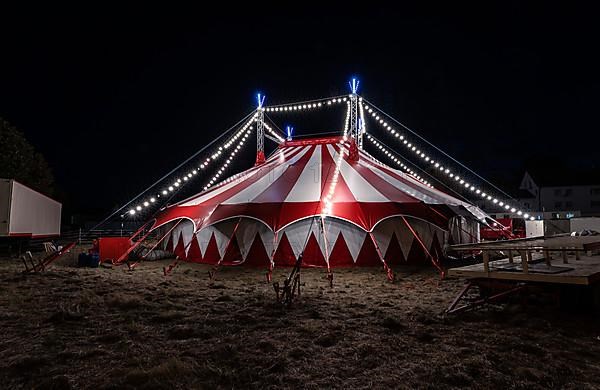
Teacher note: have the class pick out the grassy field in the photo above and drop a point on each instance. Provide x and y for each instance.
(111, 328)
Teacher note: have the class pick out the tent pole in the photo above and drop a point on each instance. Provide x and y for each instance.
(272, 263)
(329, 273)
(434, 260)
(390, 273)
(167, 270)
(136, 244)
(132, 266)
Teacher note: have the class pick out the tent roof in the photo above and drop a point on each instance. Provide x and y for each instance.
(295, 181)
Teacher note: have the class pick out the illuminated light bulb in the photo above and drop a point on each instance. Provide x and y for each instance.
(501, 204)
(171, 188)
(507, 207)
(532, 218)
(451, 175)
(152, 200)
(194, 172)
(138, 208)
(472, 188)
(526, 215)
(478, 191)
(131, 212)
(513, 210)
(164, 192)
(176, 184)
(185, 178)
(489, 197)
(483, 194)
(495, 200)
(461, 182)
(146, 204)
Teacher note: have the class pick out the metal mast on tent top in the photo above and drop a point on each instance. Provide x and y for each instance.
(355, 131)
(260, 130)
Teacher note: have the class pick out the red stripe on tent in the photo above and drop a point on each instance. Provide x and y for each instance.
(194, 253)
(386, 189)
(312, 255)
(409, 181)
(233, 255)
(200, 212)
(180, 248)
(278, 190)
(340, 254)
(394, 255)
(368, 257)
(257, 255)
(342, 192)
(211, 255)
(312, 141)
(284, 255)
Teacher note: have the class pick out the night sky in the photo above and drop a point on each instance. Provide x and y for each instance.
(116, 97)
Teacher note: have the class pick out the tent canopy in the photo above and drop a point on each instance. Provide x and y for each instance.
(301, 178)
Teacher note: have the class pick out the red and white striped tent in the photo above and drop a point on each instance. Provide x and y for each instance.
(323, 199)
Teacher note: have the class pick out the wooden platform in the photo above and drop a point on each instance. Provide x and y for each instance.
(560, 259)
(585, 271)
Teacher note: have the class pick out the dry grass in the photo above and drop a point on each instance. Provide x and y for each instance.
(110, 328)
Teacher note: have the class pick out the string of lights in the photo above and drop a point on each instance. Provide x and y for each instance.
(307, 105)
(347, 120)
(379, 119)
(396, 160)
(179, 182)
(361, 113)
(274, 133)
(221, 170)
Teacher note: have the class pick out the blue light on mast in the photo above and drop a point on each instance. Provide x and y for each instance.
(354, 85)
(289, 132)
(260, 99)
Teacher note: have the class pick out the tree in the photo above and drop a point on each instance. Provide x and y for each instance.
(20, 161)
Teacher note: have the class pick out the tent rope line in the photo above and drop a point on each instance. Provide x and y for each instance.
(437, 148)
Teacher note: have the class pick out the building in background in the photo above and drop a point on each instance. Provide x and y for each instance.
(553, 196)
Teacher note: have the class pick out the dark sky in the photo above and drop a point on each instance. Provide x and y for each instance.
(116, 97)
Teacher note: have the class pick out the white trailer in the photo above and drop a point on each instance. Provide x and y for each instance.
(27, 213)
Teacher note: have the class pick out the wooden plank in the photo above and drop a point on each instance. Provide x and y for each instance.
(559, 243)
(547, 258)
(486, 261)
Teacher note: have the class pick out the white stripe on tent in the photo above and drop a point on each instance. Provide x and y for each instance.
(252, 191)
(352, 235)
(220, 190)
(405, 187)
(299, 232)
(245, 234)
(308, 185)
(361, 189)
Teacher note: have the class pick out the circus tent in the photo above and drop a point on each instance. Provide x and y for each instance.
(323, 199)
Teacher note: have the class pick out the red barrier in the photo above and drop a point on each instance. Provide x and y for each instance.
(112, 248)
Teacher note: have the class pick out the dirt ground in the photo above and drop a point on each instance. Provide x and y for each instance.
(70, 327)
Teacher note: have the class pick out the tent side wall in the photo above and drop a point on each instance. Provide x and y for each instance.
(332, 242)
